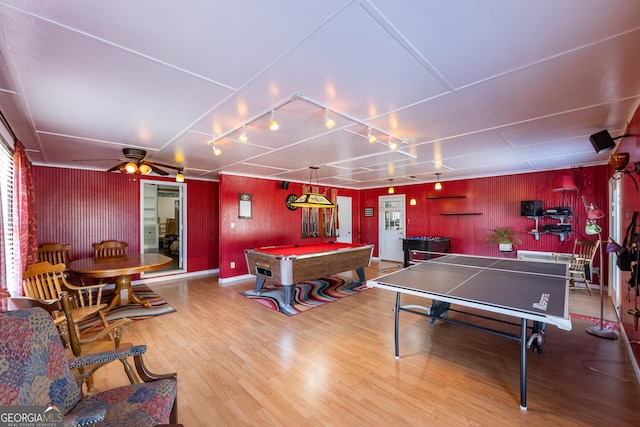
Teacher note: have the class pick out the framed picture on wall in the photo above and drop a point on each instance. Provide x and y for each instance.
(244, 205)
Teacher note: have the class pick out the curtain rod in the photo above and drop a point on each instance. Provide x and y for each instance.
(6, 124)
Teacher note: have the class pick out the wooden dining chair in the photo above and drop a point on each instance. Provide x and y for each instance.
(56, 253)
(45, 281)
(584, 251)
(110, 248)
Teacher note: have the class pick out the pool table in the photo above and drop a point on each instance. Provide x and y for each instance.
(293, 264)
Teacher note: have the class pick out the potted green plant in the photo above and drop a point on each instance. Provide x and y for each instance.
(504, 237)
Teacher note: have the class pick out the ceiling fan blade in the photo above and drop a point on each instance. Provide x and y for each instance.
(96, 160)
(162, 165)
(117, 167)
(155, 169)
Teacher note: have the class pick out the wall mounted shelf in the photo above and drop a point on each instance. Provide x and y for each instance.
(460, 213)
(563, 222)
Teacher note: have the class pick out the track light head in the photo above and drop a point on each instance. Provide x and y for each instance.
(372, 138)
(328, 120)
(243, 137)
(273, 124)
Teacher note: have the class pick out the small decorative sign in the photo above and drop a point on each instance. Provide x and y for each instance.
(244, 205)
(368, 211)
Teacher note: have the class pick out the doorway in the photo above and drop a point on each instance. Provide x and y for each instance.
(345, 224)
(391, 227)
(163, 223)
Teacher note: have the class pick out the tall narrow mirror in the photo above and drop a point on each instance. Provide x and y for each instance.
(162, 222)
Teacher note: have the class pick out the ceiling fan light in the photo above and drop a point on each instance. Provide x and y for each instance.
(438, 185)
(179, 177)
(131, 167)
(145, 169)
(273, 124)
(391, 190)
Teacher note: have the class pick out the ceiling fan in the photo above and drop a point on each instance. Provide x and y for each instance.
(135, 163)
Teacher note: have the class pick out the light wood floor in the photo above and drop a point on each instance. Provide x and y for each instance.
(241, 364)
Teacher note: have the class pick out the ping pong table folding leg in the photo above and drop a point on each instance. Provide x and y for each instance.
(523, 365)
(397, 325)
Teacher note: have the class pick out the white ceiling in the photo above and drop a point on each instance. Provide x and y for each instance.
(478, 88)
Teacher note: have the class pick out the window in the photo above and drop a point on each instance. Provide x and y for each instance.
(6, 193)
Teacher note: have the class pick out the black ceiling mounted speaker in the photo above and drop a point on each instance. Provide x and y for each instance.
(284, 185)
(602, 141)
(531, 208)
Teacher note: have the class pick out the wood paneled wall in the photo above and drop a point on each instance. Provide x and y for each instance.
(272, 223)
(497, 201)
(80, 207)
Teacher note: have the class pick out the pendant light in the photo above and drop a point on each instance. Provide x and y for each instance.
(391, 190)
(438, 185)
(313, 200)
(412, 201)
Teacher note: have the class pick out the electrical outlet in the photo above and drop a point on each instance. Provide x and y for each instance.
(233, 264)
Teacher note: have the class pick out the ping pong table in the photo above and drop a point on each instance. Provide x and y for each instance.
(535, 292)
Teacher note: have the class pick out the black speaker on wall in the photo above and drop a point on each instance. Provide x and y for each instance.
(284, 185)
(531, 208)
(602, 141)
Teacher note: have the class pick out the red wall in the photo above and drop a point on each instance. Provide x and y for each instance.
(497, 200)
(272, 223)
(83, 207)
(80, 207)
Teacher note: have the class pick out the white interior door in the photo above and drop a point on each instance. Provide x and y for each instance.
(345, 224)
(391, 228)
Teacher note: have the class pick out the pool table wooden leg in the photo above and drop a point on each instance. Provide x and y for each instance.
(259, 283)
(360, 272)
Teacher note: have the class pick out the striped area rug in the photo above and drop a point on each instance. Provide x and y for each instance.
(134, 311)
(307, 295)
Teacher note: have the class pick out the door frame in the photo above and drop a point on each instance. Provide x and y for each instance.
(403, 207)
(181, 225)
(345, 214)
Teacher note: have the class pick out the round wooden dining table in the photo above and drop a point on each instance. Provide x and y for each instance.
(120, 267)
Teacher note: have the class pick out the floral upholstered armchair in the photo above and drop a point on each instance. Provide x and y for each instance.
(34, 371)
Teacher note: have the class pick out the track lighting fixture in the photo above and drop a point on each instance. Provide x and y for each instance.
(393, 141)
(273, 124)
(179, 177)
(328, 120)
(216, 150)
(391, 189)
(243, 137)
(438, 185)
(392, 144)
(372, 138)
